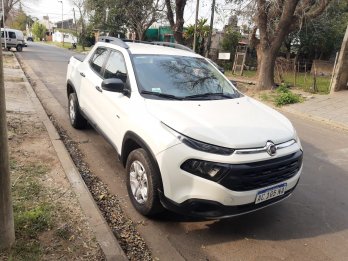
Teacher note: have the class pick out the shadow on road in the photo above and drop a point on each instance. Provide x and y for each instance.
(318, 206)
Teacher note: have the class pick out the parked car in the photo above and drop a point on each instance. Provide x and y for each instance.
(189, 140)
(30, 39)
(14, 38)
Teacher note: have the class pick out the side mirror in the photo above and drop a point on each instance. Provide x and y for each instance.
(113, 85)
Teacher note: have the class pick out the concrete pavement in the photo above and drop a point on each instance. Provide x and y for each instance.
(331, 109)
(21, 98)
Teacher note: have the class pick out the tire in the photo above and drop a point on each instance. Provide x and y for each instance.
(147, 201)
(75, 116)
(19, 48)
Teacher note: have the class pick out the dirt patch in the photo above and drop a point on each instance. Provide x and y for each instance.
(49, 223)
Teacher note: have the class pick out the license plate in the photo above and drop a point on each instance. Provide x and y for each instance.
(270, 193)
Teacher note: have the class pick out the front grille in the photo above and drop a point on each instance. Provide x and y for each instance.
(250, 176)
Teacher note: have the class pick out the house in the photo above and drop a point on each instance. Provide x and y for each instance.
(68, 38)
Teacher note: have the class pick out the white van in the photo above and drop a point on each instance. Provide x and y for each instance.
(14, 38)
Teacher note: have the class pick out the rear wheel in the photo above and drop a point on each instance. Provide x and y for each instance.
(19, 48)
(76, 118)
(143, 183)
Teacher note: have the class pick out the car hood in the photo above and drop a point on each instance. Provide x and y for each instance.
(232, 123)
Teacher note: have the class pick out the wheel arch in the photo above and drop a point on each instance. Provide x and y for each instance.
(132, 141)
(70, 88)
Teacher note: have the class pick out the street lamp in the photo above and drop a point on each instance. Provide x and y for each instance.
(61, 1)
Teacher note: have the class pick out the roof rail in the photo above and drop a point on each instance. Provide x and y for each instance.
(137, 41)
(113, 40)
(173, 45)
(122, 43)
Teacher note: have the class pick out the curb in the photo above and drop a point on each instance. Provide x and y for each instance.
(104, 236)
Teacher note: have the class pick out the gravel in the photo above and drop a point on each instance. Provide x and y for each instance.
(122, 226)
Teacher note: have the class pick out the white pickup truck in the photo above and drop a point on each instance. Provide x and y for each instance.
(190, 141)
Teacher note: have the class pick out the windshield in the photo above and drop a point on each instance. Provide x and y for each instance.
(180, 77)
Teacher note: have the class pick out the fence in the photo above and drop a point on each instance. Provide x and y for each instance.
(313, 76)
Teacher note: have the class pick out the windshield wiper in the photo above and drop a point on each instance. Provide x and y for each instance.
(209, 94)
(162, 95)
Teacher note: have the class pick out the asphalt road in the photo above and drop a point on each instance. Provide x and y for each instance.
(311, 225)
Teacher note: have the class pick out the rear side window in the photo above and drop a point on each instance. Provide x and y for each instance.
(98, 59)
(115, 67)
(12, 35)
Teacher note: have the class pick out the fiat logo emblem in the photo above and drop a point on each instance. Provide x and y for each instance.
(271, 148)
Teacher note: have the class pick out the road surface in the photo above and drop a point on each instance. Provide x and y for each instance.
(311, 225)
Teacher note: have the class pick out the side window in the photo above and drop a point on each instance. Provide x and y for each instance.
(98, 59)
(12, 35)
(116, 67)
(2, 34)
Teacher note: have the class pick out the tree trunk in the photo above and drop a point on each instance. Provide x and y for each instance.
(266, 62)
(7, 236)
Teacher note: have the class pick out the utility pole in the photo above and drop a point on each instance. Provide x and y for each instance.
(7, 235)
(195, 32)
(211, 28)
(3, 21)
(75, 24)
(61, 1)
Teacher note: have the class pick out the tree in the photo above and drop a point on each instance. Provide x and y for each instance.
(7, 235)
(8, 6)
(230, 41)
(107, 15)
(141, 14)
(274, 20)
(274, 23)
(202, 34)
(81, 7)
(177, 25)
(321, 38)
(20, 20)
(39, 30)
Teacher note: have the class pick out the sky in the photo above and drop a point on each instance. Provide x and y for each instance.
(53, 8)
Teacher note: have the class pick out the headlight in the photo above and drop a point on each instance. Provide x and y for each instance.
(205, 169)
(199, 145)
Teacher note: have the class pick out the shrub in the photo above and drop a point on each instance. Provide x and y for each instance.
(286, 98)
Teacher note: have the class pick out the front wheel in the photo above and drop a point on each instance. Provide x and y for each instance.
(143, 183)
(76, 118)
(19, 48)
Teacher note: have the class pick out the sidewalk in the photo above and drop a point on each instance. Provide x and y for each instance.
(331, 109)
(55, 215)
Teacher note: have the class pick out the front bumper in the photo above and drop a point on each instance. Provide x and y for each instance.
(207, 209)
(192, 195)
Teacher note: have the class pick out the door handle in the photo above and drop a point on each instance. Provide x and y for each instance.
(98, 89)
(82, 74)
